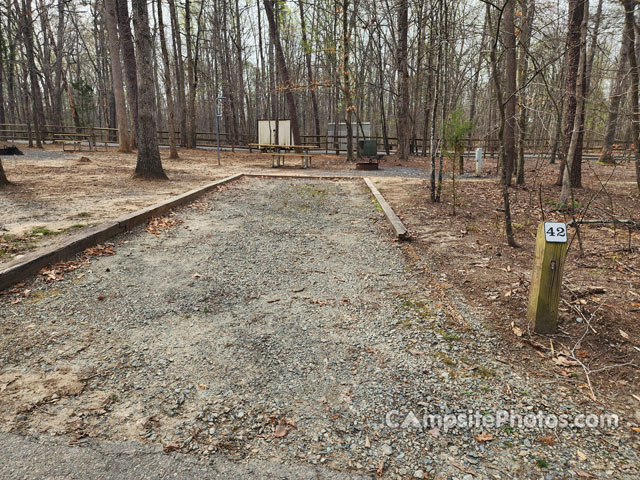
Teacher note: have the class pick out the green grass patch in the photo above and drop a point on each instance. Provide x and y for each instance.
(44, 231)
(542, 463)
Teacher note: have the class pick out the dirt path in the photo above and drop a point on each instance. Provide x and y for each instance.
(277, 322)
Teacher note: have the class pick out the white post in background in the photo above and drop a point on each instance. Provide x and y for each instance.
(478, 162)
(217, 110)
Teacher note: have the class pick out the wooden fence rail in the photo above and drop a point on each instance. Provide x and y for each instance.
(328, 143)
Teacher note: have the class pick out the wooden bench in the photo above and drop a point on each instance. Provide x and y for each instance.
(275, 158)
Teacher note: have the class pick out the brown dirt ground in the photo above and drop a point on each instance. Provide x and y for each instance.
(466, 253)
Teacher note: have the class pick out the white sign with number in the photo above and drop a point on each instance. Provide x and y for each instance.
(555, 232)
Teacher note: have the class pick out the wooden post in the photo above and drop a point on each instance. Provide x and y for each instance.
(546, 279)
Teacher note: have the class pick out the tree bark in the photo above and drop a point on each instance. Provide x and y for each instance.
(403, 79)
(191, 128)
(617, 92)
(346, 79)
(3, 118)
(3, 177)
(129, 60)
(179, 67)
(629, 14)
(171, 125)
(576, 13)
(149, 165)
(36, 93)
(124, 142)
(528, 12)
(57, 81)
(509, 134)
(501, 129)
(311, 86)
(269, 6)
(572, 159)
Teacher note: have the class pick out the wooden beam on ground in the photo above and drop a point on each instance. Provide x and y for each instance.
(401, 232)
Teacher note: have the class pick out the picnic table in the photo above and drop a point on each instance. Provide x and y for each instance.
(76, 140)
(280, 152)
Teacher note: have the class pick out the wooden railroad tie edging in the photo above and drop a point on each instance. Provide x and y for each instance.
(401, 231)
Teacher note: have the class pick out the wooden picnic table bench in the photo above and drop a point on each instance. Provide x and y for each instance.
(76, 140)
(277, 156)
(268, 147)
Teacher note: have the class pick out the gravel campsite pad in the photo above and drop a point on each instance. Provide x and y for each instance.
(277, 320)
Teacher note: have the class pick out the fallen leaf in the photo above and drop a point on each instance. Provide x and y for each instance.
(582, 473)
(273, 300)
(461, 467)
(624, 334)
(635, 429)
(281, 431)
(563, 361)
(171, 447)
(101, 297)
(417, 353)
(517, 330)
(380, 468)
(547, 440)
(484, 437)
(203, 386)
(101, 250)
(284, 427)
(581, 455)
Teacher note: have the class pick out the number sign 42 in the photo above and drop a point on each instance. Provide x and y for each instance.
(555, 232)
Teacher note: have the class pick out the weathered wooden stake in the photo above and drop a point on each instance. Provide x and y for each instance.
(546, 279)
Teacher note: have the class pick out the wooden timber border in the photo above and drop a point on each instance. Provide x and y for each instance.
(21, 268)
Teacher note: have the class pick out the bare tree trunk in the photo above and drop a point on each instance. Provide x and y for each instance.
(57, 81)
(617, 92)
(572, 159)
(3, 177)
(434, 109)
(129, 60)
(179, 66)
(124, 143)
(191, 128)
(36, 93)
(509, 134)
(576, 13)
(629, 14)
(311, 87)
(149, 165)
(346, 78)
(3, 118)
(269, 6)
(403, 79)
(171, 125)
(528, 12)
(503, 121)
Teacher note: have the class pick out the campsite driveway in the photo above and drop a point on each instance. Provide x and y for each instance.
(270, 329)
